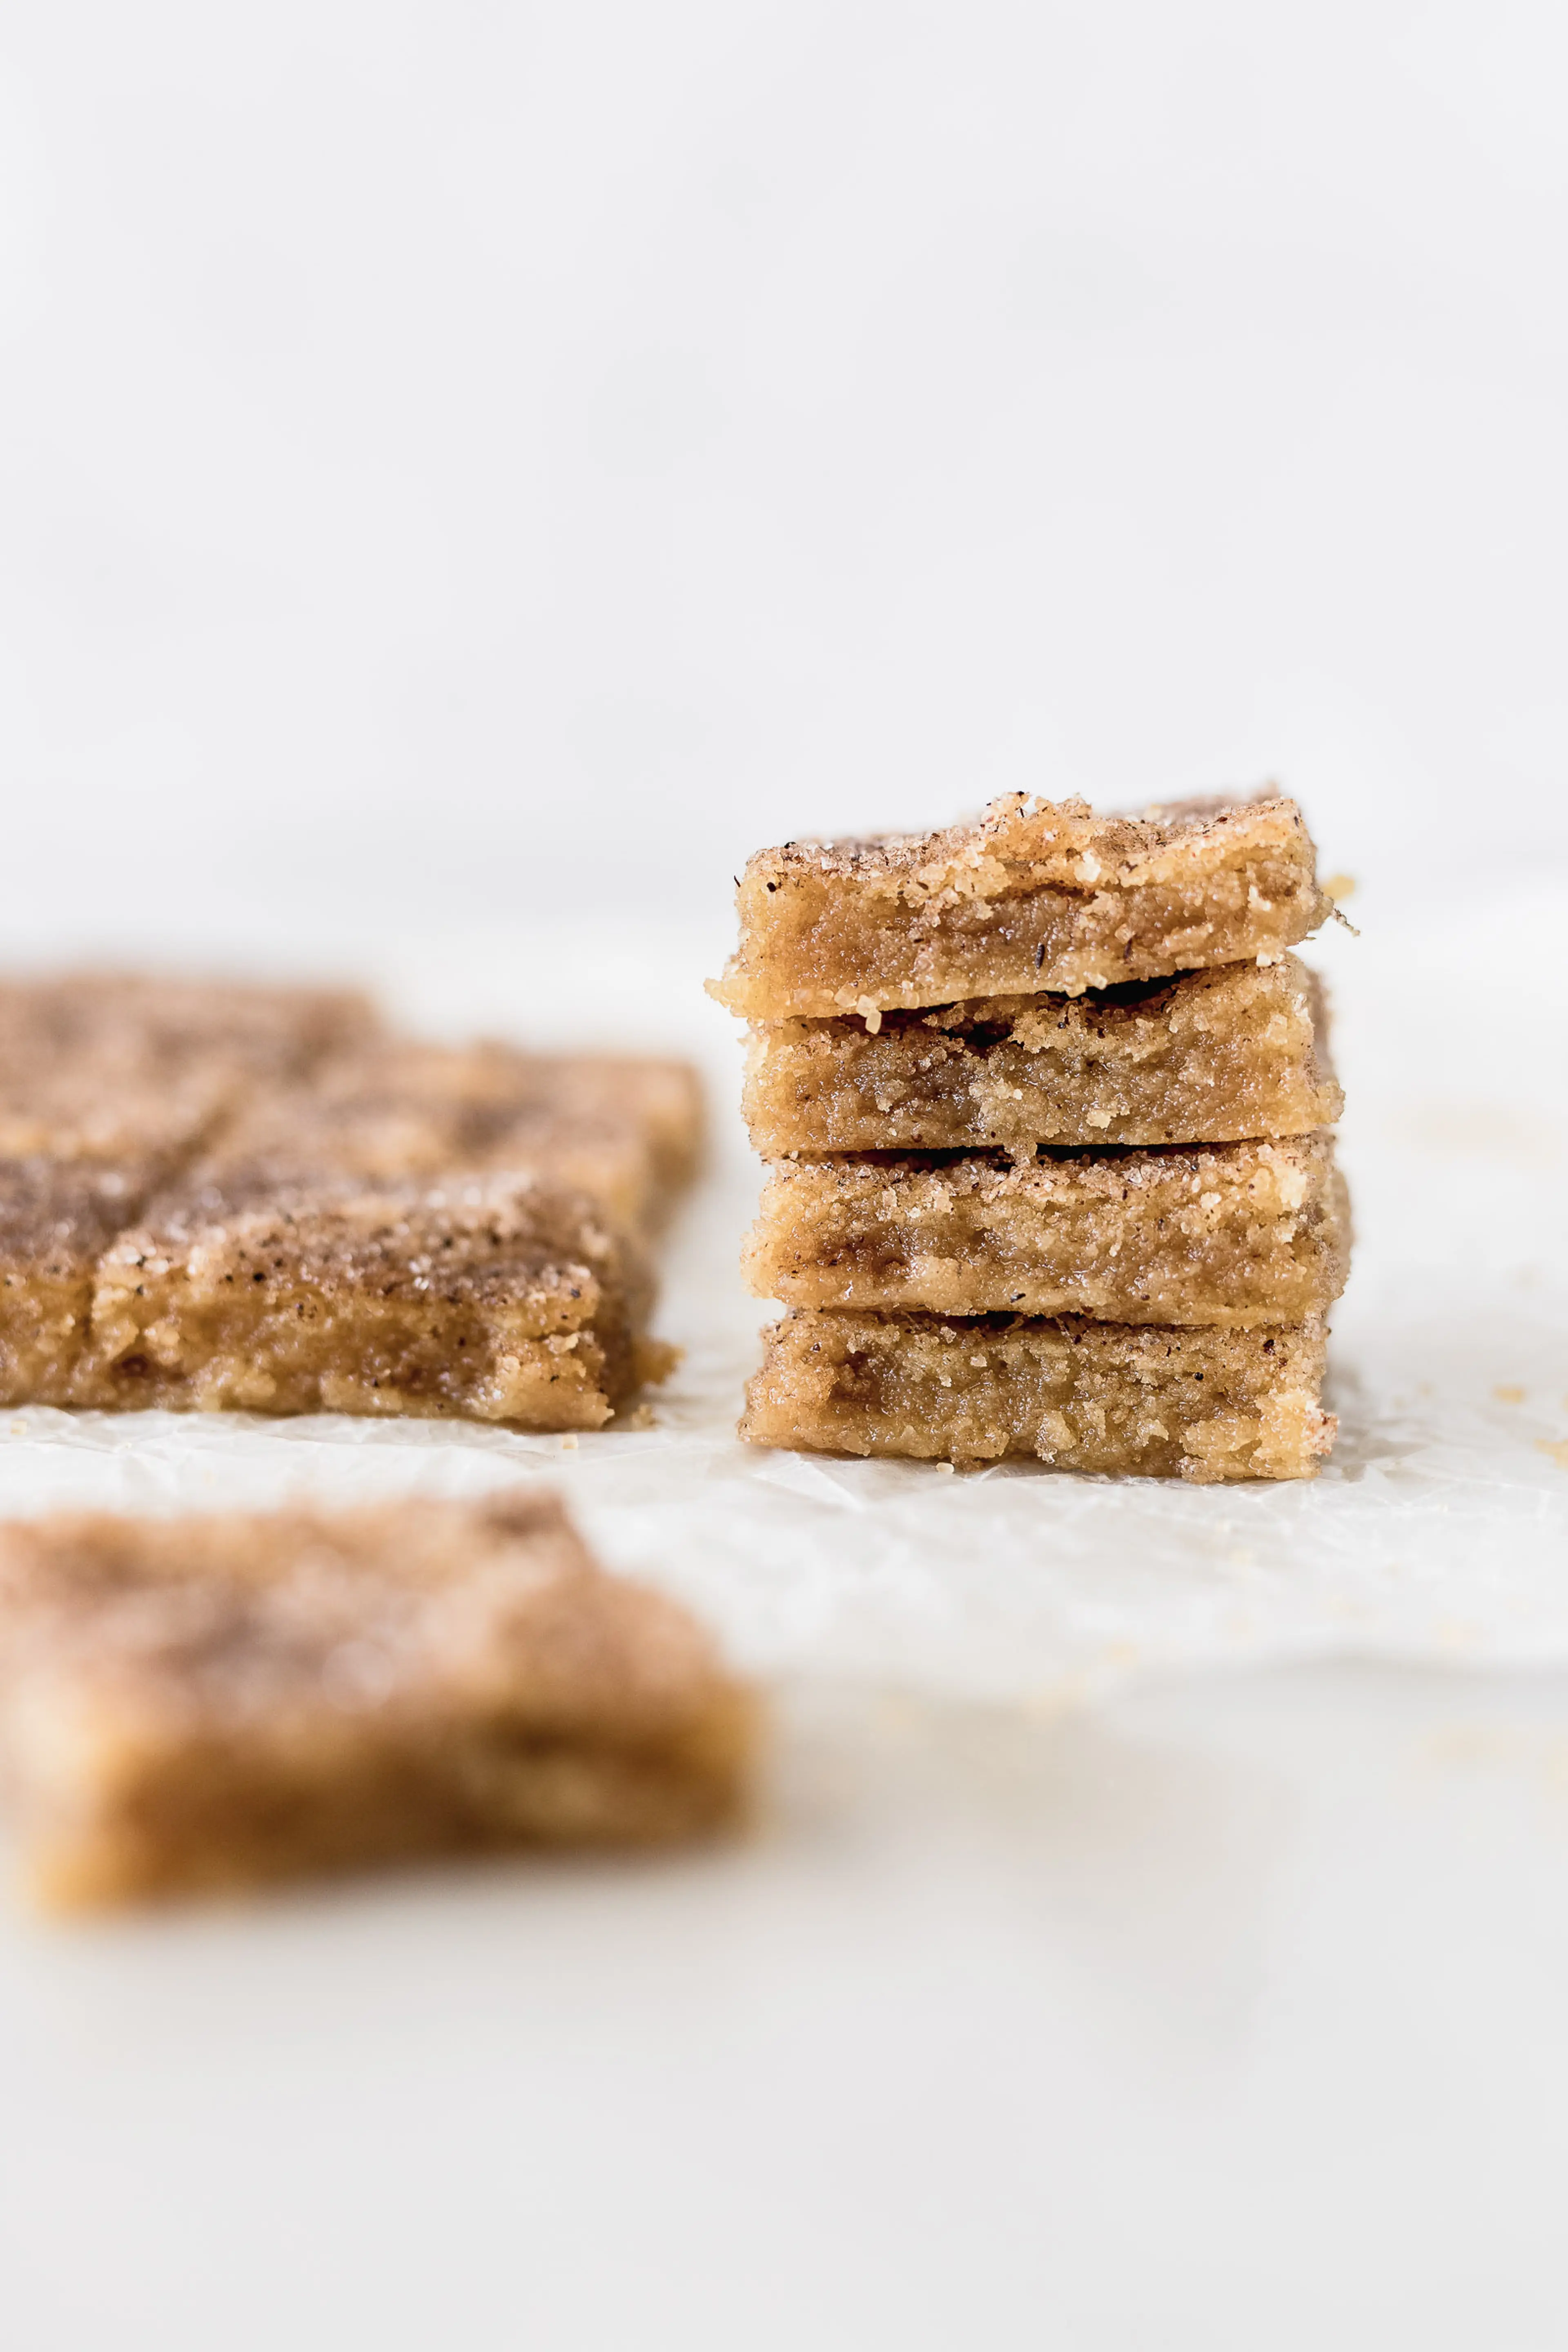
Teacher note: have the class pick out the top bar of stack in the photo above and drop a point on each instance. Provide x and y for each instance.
(1035, 1082)
(1034, 895)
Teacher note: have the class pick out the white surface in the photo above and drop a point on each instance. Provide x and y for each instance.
(1058, 1997)
(1231, 2016)
(424, 422)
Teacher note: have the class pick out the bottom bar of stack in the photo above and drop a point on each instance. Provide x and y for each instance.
(1208, 1405)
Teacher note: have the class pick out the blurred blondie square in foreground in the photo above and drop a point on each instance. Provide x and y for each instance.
(211, 1703)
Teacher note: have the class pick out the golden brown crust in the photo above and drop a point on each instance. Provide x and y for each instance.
(1031, 896)
(1207, 1406)
(1050, 838)
(212, 1703)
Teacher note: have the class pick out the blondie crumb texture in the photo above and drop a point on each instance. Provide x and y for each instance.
(1031, 896)
(1210, 1056)
(1207, 1406)
(57, 1218)
(490, 1298)
(209, 1704)
(1239, 1234)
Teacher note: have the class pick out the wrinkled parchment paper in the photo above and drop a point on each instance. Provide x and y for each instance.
(1439, 1531)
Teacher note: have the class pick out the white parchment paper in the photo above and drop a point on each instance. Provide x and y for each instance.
(1440, 1528)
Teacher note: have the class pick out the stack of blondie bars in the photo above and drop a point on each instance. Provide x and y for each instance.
(262, 1198)
(1048, 1104)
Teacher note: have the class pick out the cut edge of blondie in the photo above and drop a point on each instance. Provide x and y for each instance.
(491, 1297)
(1227, 1234)
(1033, 895)
(1207, 1406)
(1221, 1056)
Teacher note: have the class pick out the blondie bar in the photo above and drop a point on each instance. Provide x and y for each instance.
(213, 1703)
(490, 1298)
(1210, 1056)
(627, 1132)
(411, 1227)
(1241, 1234)
(1031, 896)
(1206, 1405)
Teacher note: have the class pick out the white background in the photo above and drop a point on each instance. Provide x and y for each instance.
(467, 476)
(424, 426)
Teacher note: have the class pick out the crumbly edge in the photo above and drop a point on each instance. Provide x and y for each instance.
(242, 1308)
(850, 1232)
(1021, 905)
(1100, 1010)
(1268, 1384)
(837, 1084)
(1052, 835)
